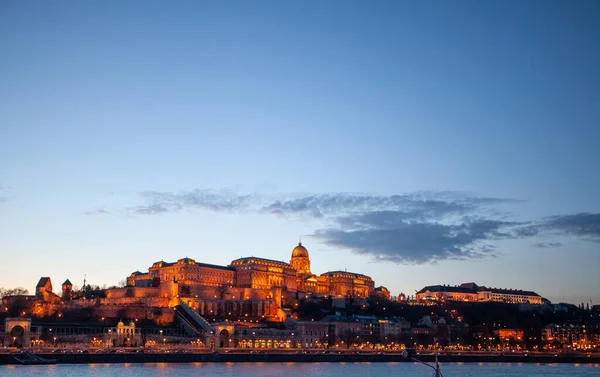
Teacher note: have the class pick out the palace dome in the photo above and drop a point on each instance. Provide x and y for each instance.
(299, 251)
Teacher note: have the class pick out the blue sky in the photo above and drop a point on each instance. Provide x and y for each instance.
(417, 142)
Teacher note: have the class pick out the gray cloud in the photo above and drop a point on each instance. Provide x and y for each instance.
(413, 228)
(96, 212)
(153, 209)
(418, 206)
(583, 225)
(547, 245)
(219, 201)
(394, 236)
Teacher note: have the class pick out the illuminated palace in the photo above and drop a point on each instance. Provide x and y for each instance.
(249, 286)
(471, 292)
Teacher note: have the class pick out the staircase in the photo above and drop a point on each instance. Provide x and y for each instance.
(193, 321)
(186, 323)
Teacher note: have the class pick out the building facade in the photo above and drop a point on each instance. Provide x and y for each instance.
(471, 292)
(194, 279)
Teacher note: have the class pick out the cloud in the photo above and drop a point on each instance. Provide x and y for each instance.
(420, 206)
(96, 212)
(409, 228)
(417, 206)
(163, 202)
(547, 245)
(413, 228)
(582, 225)
(153, 209)
(392, 236)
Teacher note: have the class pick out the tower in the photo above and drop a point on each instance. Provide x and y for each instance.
(300, 260)
(67, 289)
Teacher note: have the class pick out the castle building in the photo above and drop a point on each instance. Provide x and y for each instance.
(471, 292)
(252, 277)
(344, 283)
(260, 273)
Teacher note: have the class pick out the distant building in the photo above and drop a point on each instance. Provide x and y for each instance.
(402, 297)
(471, 292)
(576, 336)
(382, 292)
(67, 290)
(43, 291)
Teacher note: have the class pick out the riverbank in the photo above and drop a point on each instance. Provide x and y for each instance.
(85, 358)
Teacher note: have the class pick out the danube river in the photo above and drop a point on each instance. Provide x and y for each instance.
(301, 370)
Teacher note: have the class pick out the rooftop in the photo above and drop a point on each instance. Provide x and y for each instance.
(474, 288)
(42, 283)
(346, 272)
(245, 259)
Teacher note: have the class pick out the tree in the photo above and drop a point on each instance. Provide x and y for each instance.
(349, 337)
(90, 292)
(13, 292)
(424, 339)
(442, 336)
(372, 339)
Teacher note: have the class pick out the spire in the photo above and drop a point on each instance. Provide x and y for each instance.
(299, 240)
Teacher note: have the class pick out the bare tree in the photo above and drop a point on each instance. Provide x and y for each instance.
(13, 292)
(349, 337)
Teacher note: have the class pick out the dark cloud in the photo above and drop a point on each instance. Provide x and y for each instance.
(412, 228)
(582, 225)
(96, 212)
(393, 236)
(547, 245)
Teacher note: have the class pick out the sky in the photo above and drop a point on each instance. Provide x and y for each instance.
(420, 143)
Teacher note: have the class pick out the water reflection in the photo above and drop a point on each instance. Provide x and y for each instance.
(301, 370)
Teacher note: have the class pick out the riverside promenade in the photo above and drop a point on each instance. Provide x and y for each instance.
(302, 357)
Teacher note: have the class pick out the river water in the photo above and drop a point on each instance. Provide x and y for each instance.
(301, 370)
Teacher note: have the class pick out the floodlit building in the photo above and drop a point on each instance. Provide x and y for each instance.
(471, 292)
